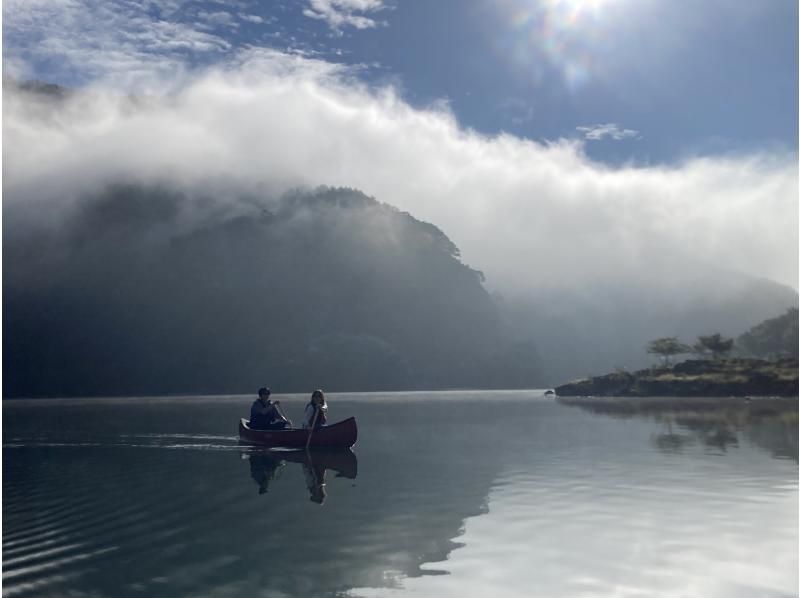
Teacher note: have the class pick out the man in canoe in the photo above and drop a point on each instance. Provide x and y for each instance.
(266, 414)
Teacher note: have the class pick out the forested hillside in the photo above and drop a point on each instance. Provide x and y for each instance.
(775, 337)
(135, 293)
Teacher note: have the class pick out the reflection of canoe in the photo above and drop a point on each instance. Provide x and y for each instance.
(340, 435)
(342, 461)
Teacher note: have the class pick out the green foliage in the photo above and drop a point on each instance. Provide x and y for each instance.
(713, 344)
(667, 347)
(773, 338)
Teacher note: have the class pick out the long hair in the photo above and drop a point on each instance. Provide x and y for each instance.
(318, 394)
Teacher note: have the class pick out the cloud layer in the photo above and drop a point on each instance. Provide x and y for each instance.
(344, 13)
(117, 41)
(527, 213)
(607, 131)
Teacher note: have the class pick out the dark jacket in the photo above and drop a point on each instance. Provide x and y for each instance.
(261, 414)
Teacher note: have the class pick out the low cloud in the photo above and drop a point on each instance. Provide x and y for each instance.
(344, 13)
(528, 214)
(251, 18)
(607, 131)
(219, 18)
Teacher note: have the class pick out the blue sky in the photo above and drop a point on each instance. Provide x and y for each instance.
(643, 80)
(554, 141)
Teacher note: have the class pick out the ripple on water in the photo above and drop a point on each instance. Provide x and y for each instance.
(61, 525)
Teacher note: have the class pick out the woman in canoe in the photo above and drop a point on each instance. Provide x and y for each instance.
(316, 413)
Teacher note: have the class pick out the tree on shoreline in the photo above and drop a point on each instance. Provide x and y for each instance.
(715, 344)
(667, 347)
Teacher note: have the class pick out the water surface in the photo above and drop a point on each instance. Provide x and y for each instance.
(445, 494)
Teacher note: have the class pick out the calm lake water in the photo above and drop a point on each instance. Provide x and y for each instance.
(445, 494)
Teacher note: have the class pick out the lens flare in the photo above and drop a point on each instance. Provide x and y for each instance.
(567, 35)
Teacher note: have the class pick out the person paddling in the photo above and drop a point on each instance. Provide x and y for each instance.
(266, 414)
(316, 413)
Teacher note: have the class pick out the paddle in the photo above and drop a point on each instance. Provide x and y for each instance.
(313, 423)
(318, 483)
(277, 405)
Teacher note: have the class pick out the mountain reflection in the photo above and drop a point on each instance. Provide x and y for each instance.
(714, 423)
(266, 466)
(198, 522)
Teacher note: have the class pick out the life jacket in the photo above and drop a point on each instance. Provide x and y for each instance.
(258, 419)
(321, 416)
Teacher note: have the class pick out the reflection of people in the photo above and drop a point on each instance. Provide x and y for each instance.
(263, 468)
(267, 465)
(315, 480)
(265, 414)
(316, 411)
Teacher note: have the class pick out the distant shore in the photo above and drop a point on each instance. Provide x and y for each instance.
(700, 378)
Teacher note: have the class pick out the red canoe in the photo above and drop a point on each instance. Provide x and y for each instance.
(340, 435)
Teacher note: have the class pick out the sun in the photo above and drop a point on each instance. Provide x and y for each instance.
(575, 37)
(574, 10)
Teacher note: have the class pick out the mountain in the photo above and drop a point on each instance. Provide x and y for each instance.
(775, 337)
(593, 329)
(141, 288)
(327, 288)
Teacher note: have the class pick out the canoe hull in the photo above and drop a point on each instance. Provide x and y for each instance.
(339, 435)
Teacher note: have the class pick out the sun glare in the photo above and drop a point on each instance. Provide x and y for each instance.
(575, 9)
(570, 34)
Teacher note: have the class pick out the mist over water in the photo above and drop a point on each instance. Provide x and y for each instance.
(131, 496)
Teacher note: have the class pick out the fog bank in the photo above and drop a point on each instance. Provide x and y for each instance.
(528, 214)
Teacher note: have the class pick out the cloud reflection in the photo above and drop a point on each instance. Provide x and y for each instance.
(606, 515)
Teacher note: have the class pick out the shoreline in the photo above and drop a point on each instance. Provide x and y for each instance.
(735, 377)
